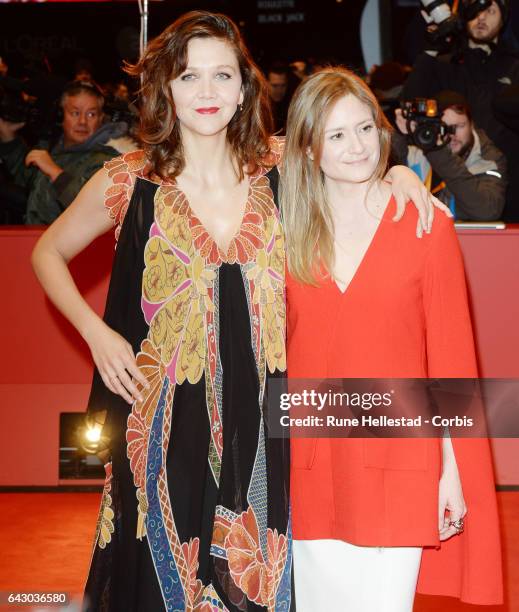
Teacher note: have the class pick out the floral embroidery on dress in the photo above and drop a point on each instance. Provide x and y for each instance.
(105, 525)
(267, 274)
(181, 266)
(122, 171)
(190, 550)
(275, 155)
(246, 562)
(176, 293)
(210, 602)
(236, 538)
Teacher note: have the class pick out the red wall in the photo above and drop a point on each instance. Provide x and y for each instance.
(492, 268)
(45, 367)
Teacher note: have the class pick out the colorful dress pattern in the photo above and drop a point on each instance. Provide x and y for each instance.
(210, 500)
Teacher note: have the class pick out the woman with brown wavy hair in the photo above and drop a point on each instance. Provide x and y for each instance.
(194, 513)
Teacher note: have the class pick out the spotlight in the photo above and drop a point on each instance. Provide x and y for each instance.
(90, 436)
(93, 434)
(83, 445)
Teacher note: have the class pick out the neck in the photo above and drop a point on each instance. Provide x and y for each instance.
(208, 158)
(467, 149)
(69, 143)
(349, 202)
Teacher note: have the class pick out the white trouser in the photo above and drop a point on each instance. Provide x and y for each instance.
(334, 576)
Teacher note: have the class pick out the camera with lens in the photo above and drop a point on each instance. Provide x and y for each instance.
(429, 132)
(450, 26)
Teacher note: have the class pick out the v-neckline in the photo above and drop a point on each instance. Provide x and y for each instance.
(347, 289)
(224, 254)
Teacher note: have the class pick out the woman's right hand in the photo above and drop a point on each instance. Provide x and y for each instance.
(115, 361)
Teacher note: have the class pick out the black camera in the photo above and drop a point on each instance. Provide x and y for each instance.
(429, 131)
(449, 26)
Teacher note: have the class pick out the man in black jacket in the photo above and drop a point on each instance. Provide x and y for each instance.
(481, 70)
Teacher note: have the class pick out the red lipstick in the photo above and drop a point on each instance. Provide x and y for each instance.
(208, 110)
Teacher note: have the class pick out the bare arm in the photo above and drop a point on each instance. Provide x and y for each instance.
(83, 221)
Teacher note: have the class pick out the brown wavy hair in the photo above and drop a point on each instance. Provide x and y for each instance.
(165, 59)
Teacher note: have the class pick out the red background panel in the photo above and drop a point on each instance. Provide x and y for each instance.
(45, 367)
(492, 267)
(42, 346)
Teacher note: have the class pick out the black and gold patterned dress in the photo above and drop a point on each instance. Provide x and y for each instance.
(195, 509)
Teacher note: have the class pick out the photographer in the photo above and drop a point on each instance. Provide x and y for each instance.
(457, 161)
(53, 178)
(475, 62)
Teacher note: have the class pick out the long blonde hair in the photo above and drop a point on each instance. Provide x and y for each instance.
(306, 213)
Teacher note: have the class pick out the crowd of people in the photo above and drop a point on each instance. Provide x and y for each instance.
(54, 135)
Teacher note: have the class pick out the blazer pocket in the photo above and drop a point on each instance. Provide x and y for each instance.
(396, 454)
(302, 453)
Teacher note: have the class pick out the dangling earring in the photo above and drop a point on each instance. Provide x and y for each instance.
(240, 107)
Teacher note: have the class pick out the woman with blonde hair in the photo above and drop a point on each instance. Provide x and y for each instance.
(374, 517)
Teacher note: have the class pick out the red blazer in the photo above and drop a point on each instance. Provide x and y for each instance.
(404, 315)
